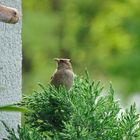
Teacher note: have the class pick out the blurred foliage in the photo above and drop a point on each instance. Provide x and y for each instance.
(102, 36)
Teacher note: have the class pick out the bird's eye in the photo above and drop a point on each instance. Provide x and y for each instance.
(14, 13)
(62, 61)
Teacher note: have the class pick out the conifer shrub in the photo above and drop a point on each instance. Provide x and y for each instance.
(23, 133)
(51, 108)
(86, 112)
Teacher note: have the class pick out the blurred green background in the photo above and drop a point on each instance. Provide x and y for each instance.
(102, 36)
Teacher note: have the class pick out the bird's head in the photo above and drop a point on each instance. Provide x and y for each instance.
(63, 63)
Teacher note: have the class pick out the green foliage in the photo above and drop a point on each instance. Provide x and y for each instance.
(13, 108)
(50, 109)
(83, 113)
(129, 124)
(24, 133)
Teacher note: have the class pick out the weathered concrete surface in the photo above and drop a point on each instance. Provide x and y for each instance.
(10, 67)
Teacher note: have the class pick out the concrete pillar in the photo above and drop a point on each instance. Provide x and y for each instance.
(10, 68)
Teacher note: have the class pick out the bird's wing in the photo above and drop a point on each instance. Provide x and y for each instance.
(56, 79)
(53, 74)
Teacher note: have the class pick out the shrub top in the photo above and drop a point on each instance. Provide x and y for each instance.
(83, 113)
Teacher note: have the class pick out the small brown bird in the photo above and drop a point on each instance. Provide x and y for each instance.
(9, 14)
(63, 75)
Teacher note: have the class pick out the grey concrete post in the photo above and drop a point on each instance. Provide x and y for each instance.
(10, 68)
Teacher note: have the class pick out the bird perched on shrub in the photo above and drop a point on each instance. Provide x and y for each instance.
(63, 75)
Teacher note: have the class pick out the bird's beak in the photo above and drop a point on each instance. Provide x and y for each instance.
(56, 59)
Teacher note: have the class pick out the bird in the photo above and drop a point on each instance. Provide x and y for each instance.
(63, 75)
(9, 14)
